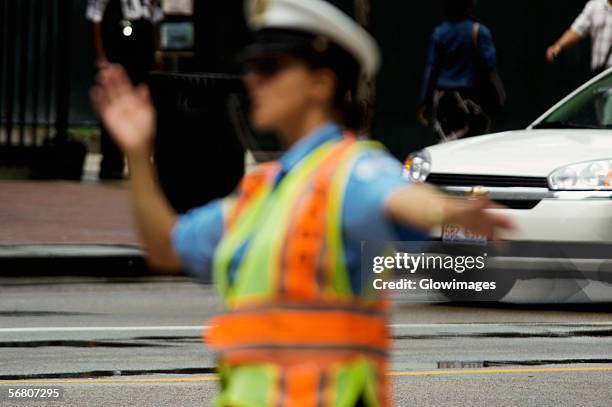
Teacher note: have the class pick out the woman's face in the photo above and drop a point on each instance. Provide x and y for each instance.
(282, 88)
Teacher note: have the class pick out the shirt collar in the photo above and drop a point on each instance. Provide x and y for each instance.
(308, 144)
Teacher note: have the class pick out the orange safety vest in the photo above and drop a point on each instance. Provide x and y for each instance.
(294, 326)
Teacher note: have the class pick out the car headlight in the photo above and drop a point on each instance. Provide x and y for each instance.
(417, 166)
(591, 175)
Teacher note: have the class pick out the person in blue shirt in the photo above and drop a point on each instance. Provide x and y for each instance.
(299, 91)
(461, 49)
(285, 249)
(376, 174)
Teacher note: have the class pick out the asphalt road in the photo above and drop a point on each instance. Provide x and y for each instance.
(139, 343)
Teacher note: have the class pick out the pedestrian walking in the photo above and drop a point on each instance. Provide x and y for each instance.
(461, 87)
(123, 33)
(284, 250)
(595, 22)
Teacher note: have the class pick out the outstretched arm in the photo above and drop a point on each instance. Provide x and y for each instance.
(423, 207)
(129, 116)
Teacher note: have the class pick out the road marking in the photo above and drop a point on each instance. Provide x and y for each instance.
(461, 372)
(213, 377)
(505, 325)
(205, 327)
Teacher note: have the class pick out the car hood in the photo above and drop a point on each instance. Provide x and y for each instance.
(532, 153)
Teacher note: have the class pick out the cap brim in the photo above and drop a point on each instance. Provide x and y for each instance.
(317, 18)
(274, 41)
(257, 50)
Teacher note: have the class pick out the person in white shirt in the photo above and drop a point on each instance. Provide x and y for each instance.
(595, 21)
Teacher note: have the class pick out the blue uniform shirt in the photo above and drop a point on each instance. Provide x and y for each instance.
(375, 175)
(451, 63)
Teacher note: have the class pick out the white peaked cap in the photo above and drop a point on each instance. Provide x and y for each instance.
(317, 17)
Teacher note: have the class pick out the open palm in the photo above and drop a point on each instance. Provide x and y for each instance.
(474, 215)
(126, 111)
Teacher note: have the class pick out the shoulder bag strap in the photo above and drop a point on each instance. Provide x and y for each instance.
(475, 35)
(605, 61)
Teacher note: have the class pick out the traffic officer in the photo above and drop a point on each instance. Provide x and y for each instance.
(284, 250)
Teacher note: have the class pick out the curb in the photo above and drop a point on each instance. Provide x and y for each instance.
(72, 260)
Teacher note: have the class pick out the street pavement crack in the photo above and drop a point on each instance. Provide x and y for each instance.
(600, 333)
(77, 344)
(109, 373)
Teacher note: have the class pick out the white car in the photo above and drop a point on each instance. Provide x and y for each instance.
(555, 178)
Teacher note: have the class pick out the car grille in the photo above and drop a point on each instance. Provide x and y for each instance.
(518, 204)
(462, 180)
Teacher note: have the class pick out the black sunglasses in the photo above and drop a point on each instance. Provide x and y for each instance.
(267, 66)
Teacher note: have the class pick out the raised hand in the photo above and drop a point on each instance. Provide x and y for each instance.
(126, 110)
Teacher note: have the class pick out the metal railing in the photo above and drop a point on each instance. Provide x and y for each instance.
(34, 76)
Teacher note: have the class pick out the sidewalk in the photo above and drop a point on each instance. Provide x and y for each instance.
(66, 228)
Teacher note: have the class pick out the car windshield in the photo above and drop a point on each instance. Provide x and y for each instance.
(589, 109)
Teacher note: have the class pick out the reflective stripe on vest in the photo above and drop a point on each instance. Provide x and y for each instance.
(251, 186)
(282, 334)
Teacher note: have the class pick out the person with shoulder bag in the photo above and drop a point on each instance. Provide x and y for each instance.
(461, 87)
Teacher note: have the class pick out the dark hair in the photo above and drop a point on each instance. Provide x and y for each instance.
(351, 113)
(458, 9)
